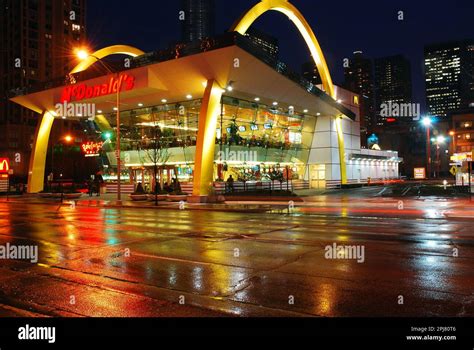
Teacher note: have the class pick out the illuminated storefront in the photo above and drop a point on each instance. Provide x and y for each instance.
(251, 140)
(461, 167)
(207, 110)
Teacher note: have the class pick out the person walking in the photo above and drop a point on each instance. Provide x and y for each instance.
(90, 187)
(230, 183)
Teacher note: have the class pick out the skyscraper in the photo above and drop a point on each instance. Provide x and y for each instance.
(449, 76)
(395, 111)
(359, 78)
(199, 19)
(37, 38)
(266, 42)
(310, 72)
(393, 84)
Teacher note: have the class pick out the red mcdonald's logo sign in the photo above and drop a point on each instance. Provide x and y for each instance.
(83, 91)
(4, 165)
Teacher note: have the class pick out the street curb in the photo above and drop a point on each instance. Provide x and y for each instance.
(150, 207)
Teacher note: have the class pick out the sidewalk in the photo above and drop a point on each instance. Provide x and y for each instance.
(110, 201)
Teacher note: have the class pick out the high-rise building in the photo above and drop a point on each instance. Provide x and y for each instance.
(462, 130)
(310, 72)
(395, 111)
(359, 78)
(266, 42)
(199, 19)
(393, 85)
(37, 39)
(449, 76)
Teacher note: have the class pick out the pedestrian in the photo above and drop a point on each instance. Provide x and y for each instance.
(230, 183)
(176, 186)
(98, 181)
(90, 187)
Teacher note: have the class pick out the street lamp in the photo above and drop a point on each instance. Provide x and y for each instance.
(82, 55)
(427, 124)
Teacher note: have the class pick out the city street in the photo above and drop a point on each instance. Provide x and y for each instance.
(134, 262)
(271, 168)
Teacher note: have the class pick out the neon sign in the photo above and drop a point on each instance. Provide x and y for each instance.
(83, 91)
(4, 165)
(92, 149)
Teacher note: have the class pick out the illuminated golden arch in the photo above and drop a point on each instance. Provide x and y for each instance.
(288, 9)
(40, 148)
(285, 7)
(107, 51)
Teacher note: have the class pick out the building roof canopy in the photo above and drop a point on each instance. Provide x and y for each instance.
(174, 80)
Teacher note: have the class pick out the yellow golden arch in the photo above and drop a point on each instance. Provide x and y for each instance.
(107, 51)
(40, 148)
(288, 9)
(285, 7)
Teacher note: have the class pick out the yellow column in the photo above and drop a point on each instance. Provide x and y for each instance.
(340, 140)
(38, 154)
(206, 139)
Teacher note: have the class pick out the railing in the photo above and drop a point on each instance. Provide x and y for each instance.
(179, 51)
(260, 186)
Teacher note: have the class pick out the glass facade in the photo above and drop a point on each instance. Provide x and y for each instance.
(254, 142)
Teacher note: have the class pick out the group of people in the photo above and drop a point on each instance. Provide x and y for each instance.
(174, 187)
(95, 182)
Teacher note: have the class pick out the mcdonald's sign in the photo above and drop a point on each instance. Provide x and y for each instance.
(4, 165)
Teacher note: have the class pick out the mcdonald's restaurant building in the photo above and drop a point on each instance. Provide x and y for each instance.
(205, 111)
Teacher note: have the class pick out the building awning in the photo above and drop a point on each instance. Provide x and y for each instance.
(369, 157)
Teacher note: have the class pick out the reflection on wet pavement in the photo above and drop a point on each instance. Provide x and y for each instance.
(132, 262)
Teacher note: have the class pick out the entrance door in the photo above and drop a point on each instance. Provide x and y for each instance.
(318, 176)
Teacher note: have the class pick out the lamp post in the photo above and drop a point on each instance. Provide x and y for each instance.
(452, 133)
(438, 141)
(427, 123)
(119, 161)
(82, 55)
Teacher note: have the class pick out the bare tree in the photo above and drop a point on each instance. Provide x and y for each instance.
(156, 151)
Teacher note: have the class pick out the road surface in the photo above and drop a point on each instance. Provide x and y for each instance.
(418, 260)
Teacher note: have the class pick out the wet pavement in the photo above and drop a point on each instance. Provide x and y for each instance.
(418, 259)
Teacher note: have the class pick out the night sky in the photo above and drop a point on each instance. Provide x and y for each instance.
(341, 27)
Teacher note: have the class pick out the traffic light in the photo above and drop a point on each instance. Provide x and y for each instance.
(107, 135)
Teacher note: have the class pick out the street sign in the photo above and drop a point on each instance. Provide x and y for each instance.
(419, 173)
(454, 170)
